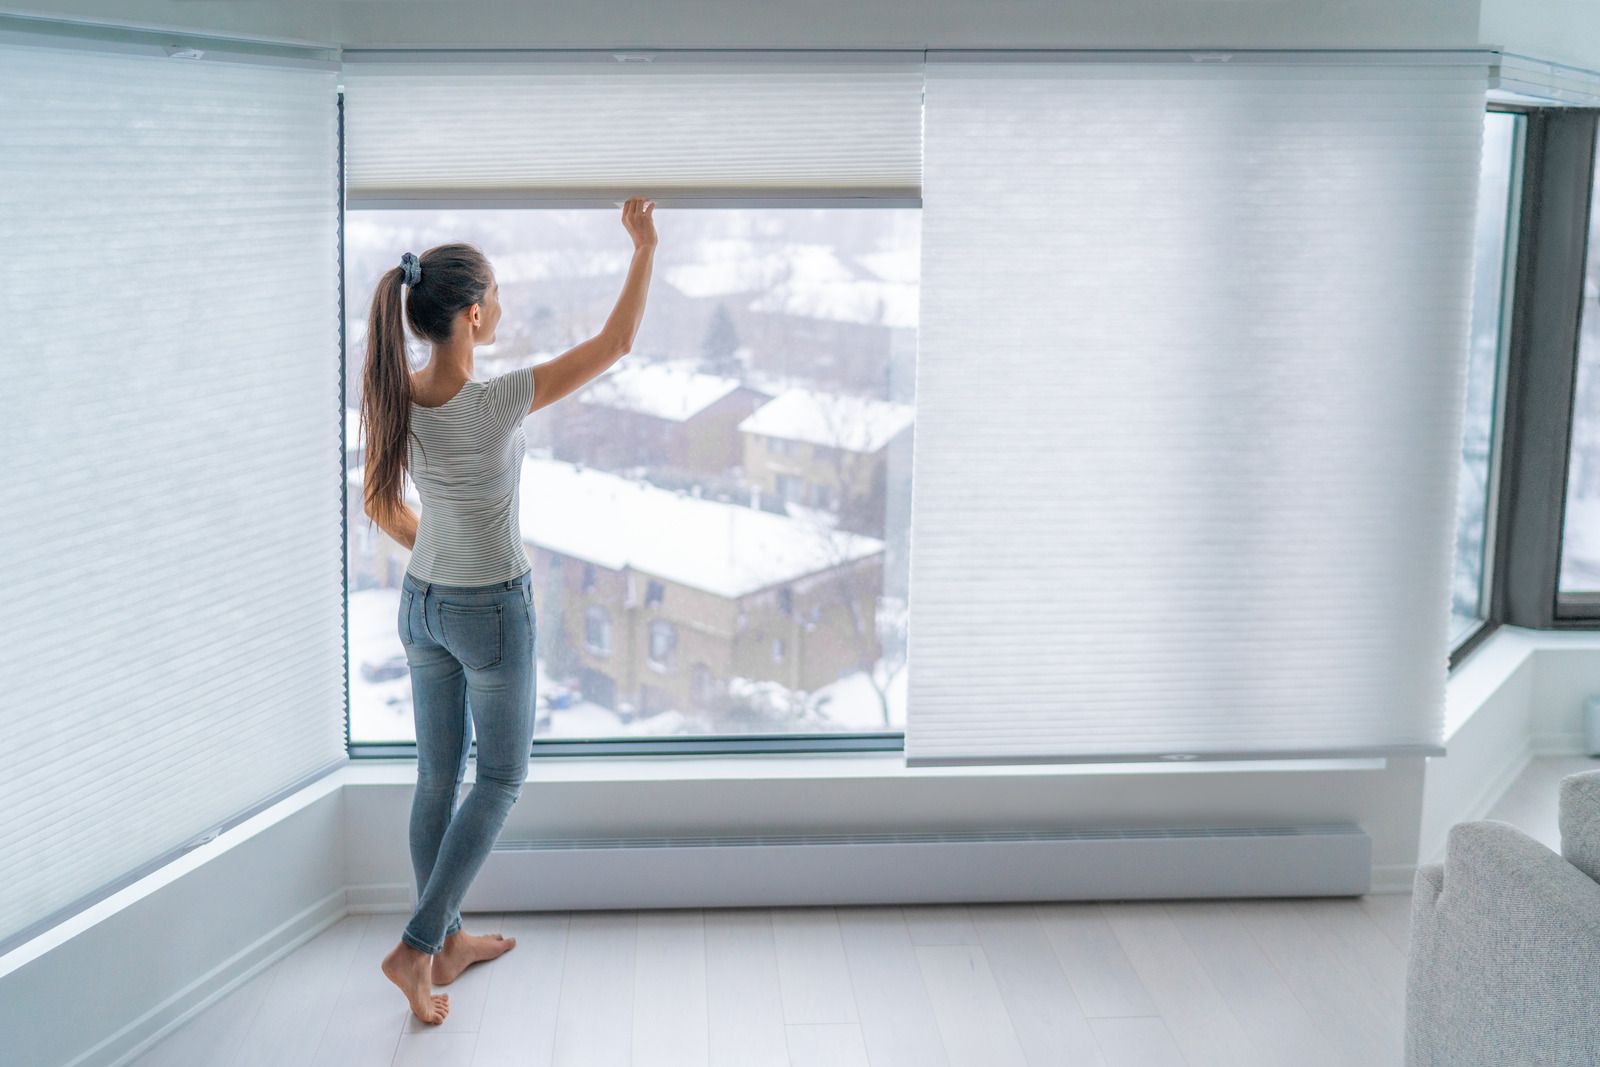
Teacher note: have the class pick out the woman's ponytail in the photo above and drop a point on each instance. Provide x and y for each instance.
(443, 280)
(385, 400)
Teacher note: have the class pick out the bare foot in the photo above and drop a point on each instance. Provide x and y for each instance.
(461, 950)
(408, 968)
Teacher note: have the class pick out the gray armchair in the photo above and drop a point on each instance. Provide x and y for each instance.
(1503, 968)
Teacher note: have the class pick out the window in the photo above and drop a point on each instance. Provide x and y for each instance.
(663, 639)
(1580, 542)
(648, 463)
(777, 650)
(1493, 251)
(597, 629)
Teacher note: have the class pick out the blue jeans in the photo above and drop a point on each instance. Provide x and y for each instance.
(470, 648)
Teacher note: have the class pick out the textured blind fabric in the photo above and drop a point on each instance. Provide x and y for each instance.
(1189, 399)
(170, 552)
(553, 126)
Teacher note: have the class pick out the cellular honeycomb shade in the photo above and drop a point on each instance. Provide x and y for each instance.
(440, 127)
(1189, 397)
(171, 547)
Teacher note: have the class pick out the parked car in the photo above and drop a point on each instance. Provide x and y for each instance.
(383, 670)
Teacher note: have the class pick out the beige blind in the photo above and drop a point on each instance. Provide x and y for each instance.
(577, 126)
(1189, 397)
(170, 553)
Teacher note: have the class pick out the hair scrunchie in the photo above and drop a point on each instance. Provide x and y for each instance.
(413, 269)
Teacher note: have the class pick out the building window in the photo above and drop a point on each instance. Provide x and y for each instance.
(702, 684)
(791, 489)
(1493, 252)
(777, 650)
(588, 576)
(1580, 540)
(653, 594)
(663, 640)
(597, 629)
(786, 600)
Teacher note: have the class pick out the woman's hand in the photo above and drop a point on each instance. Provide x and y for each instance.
(639, 221)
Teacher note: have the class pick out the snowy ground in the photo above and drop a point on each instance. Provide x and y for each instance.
(381, 710)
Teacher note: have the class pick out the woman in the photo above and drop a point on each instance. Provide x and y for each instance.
(466, 603)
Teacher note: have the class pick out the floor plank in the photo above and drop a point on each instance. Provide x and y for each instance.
(669, 990)
(594, 1023)
(519, 1014)
(214, 1036)
(299, 1004)
(1195, 1012)
(972, 1015)
(939, 924)
(1137, 1041)
(1102, 978)
(1251, 986)
(1328, 989)
(827, 1045)
(812, 970)
(896, 1015)
(368, 1010)
(1049, 1022)
(744, 994)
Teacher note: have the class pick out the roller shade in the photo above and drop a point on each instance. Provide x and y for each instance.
(171, 552)
(1189, 399)
(598, 126)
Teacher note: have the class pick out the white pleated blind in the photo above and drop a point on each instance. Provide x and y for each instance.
(1189, 398)
(170, 552)
(439, 127)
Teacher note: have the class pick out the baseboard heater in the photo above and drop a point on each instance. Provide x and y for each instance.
(1332, 859)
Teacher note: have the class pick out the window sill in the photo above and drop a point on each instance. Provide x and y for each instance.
(806, 765)
(1489, 666)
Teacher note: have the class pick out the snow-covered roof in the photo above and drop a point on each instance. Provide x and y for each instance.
(727, 549)
(852, 423)
(667, 390)
(827, 289)
(806, 279)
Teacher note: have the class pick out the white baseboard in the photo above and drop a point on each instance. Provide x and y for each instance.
(1560, 744)
(379, 898)
(1485, 799)
(1393, 877)
(134, 1039)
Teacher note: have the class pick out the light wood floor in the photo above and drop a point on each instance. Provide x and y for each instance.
(1311, 981)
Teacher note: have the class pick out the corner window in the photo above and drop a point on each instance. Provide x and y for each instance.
(1493, 253)
(1580, 540)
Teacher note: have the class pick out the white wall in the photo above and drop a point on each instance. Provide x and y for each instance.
(1561, 31)
(817, 23)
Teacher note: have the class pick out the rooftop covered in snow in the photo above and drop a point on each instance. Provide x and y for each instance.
(851, 423)
(727, 549)
(664, 389)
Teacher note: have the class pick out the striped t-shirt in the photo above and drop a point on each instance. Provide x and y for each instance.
(467, 472)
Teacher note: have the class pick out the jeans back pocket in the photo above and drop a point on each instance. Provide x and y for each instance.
(405, 616)
(475, 634)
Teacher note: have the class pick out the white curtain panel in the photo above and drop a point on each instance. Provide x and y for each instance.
(170, 552)
(1189, 398)
(440, 126)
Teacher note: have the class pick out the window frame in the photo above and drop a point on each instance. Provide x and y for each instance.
(1557, 181)
(1487, 582)
(1506, 503)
